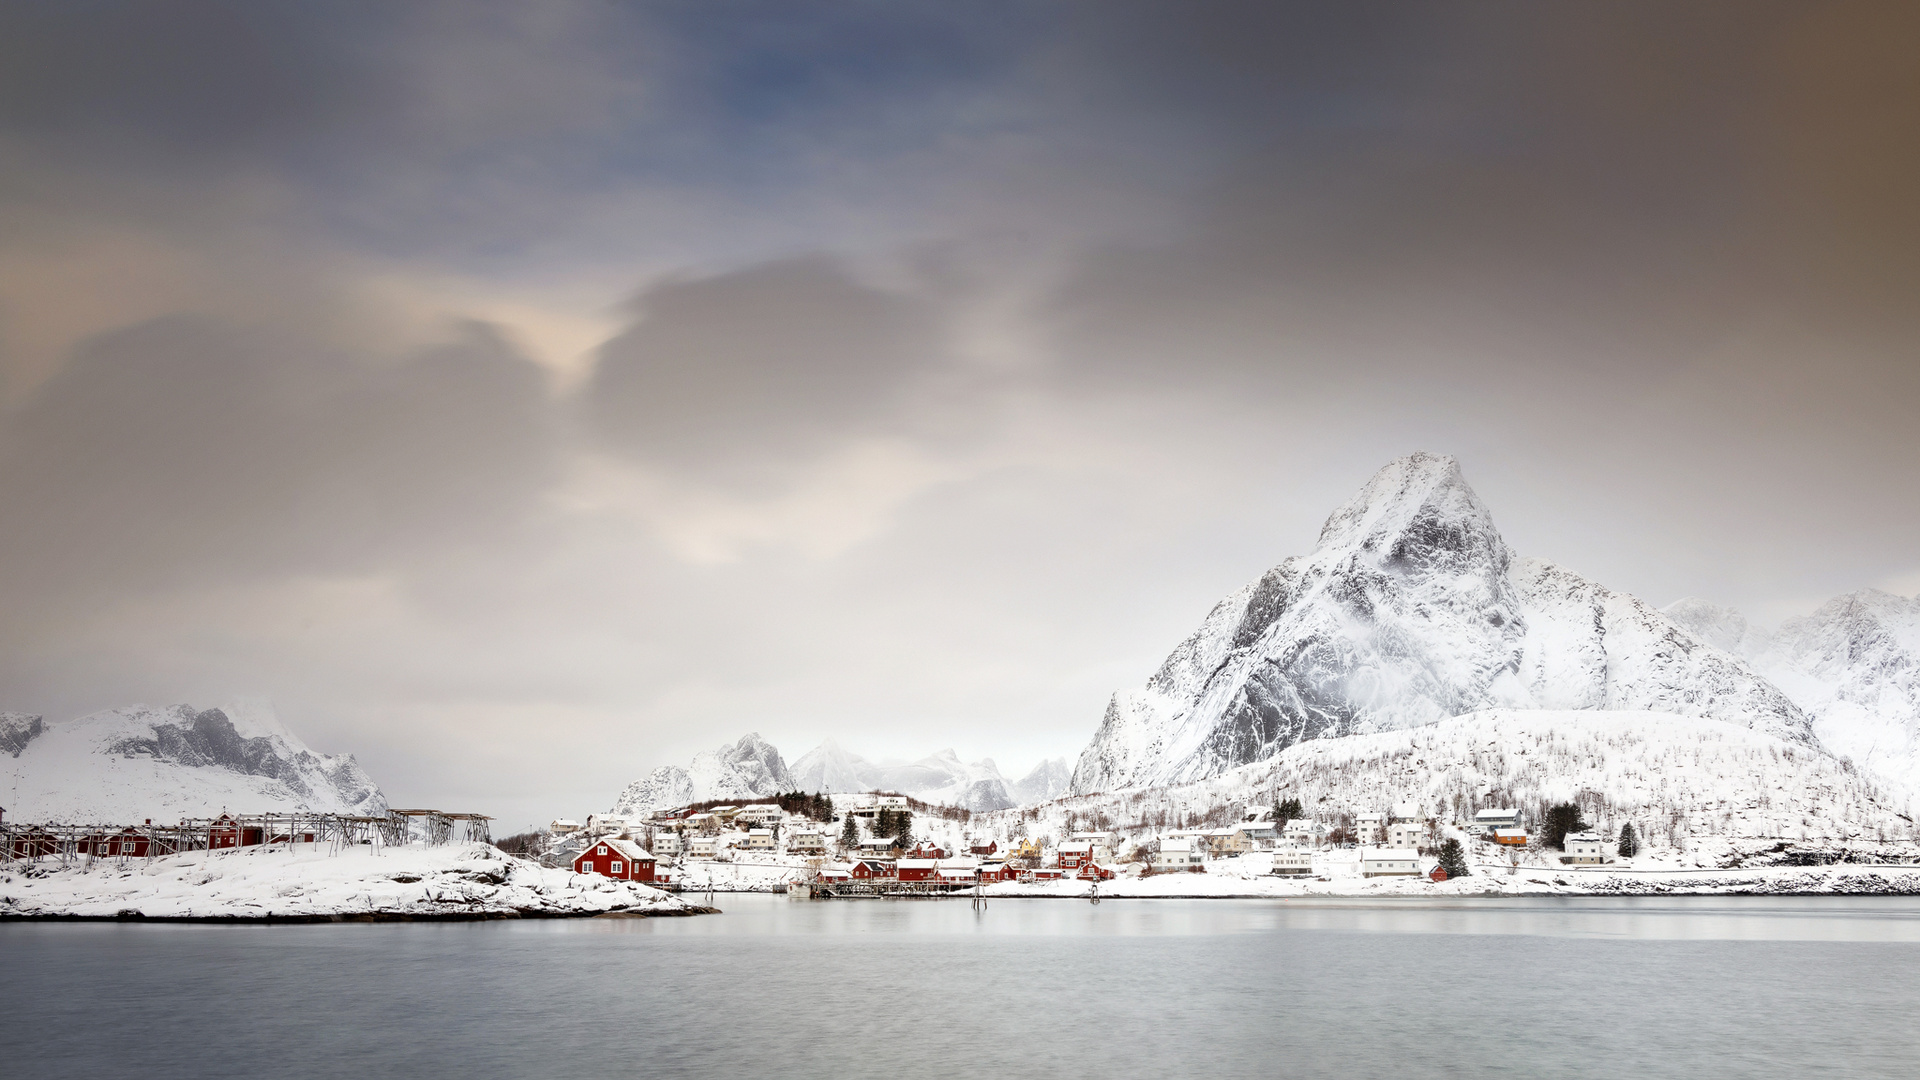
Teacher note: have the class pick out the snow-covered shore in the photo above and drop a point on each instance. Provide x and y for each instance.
(1497, 881)
(312, 884)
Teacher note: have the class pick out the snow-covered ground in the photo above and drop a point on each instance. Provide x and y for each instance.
(316, 882)
(1700, 789)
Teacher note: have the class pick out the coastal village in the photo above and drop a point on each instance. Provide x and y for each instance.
(877, 844)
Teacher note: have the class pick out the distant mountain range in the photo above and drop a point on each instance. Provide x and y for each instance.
(1853, 666)
(752, 768)
(1411, 610)
(141, 762)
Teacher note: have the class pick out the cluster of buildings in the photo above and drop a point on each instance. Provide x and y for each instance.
(1375, 844)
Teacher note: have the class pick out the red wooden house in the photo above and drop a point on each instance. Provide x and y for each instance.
(226, 832)
(916, 869)
(872, 870)
(1093, 871)
(1075, 853)
(927, 851)
(1437, 874)
(33, 843)
(981, 851)
(623, 860)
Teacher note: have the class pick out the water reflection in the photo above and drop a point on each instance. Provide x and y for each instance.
(1818, 918)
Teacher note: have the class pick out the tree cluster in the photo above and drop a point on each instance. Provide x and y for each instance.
(1285, 810)
(895, 823)
(1562, 818)
(811, 805)
(1453, 859)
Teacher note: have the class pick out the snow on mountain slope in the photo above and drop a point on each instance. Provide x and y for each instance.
(1409, 610)
(1853, 665)
(752, 768)
(1049, 780)
(944, 779)
(140, 762)
(830, 767)
(748, 769)
(1703, 785)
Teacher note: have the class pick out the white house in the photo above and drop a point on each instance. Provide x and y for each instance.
(1406, 834)
(1292, 861)
(807, 842)
(1303, 833)
(758, 840)
(765, 813)
(1367, 826)
(668, 843)
(703, 847)
(1389, 862)
(1180, 853)
(1497, 818)
(563, 826)
(1585, 847)
(1103, 844)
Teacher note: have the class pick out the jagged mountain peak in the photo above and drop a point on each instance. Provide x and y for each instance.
(1410, 610)
(1414, 509)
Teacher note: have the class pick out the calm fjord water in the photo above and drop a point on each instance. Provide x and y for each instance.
(1547, 988)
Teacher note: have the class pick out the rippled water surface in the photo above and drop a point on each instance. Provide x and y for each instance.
(1536, 988)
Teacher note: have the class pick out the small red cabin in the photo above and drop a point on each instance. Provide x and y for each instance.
(986, 849)
(872, 870)
(1093, 871)
(620, 859)
(1437, 874)
(927, 851)
(917, 869)
(225, 832)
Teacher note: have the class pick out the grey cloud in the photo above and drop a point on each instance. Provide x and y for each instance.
(186, 448)
(761, 367)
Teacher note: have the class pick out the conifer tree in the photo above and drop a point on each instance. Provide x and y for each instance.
(903, 822)
(1629, 841)
(849, 833)
(1286, 811)
(1452, 859)
(1562, 818)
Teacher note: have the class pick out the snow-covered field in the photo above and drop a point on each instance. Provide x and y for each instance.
(312, 882)
(1702, 790)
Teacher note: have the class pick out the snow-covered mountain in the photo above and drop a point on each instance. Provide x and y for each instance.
(937, 778)
(1410, 610)
(164, 764)
(752, 768)
(1049, 780)
(1853, 666)
(748, 769)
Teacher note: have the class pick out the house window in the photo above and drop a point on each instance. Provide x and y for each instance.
(602, 851)
(616, 866)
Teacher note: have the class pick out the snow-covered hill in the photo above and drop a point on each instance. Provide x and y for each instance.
(750, 768)
(1853, 666)
(1410, 610)
(164, 764)
(1702, 786)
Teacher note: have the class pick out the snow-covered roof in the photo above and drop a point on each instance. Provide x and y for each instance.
(1076, 847)
(1388, 854)
(624, 848)
(1497, 814)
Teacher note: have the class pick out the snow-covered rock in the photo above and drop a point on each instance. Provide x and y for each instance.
(316, 881)
(1409, 610)
(748, 769)
(164, 764)
(1853, 666)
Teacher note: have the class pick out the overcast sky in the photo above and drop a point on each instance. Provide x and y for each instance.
(522, 396)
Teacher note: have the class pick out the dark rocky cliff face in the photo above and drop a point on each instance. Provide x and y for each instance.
(17, 730)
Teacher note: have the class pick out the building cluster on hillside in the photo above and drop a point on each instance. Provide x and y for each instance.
(871, 840)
